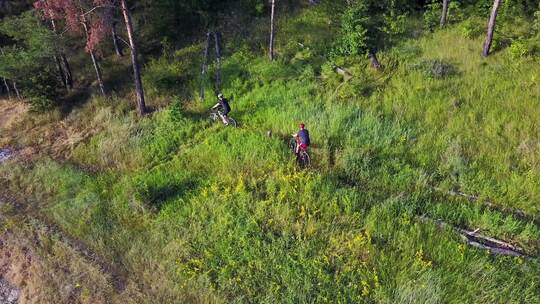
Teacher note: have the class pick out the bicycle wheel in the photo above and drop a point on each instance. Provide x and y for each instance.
(292, 145)
(232, 122)
(213, 117)
(303, 160)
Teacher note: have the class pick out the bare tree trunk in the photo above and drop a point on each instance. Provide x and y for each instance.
(5, 81)
(374, 61)
(16, 90)
(62, 64)
(57, 60)
(217, 41)
(272, 30)
(98, 73)
(60, 71)
(444, 14)
(67, 71)
(117, 47)
(7, 87)
(491, 28)
(141, 107)
(205, 63)
(95, 62)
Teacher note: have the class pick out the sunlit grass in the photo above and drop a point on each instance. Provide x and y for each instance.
(201, 213)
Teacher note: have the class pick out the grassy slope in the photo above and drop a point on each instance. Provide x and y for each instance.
(196, 212)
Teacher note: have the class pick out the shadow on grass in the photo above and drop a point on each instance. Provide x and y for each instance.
(197, 116)
(157, 197)
(74, 100)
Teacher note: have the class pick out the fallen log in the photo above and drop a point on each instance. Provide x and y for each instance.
(496, 251)
(474, 239)
(492, 242)
(341, 71)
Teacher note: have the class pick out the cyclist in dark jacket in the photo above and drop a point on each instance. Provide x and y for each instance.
(225, 108)
(302, 139)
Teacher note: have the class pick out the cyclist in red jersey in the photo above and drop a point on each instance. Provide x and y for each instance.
(302, 139)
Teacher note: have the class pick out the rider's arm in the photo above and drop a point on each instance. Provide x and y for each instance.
(217, 105)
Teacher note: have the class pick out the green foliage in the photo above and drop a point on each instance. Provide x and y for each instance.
(30, 34)
(29, 61)
(432, 15)
(169, 19)
(520, 48)
(472, 27)
(175, 110)
(395, 24)
(256, 7)
(370, 25)
(433, 11)
(536, 23)
(513, 8)
(354, 38)
(42, 88)
(482, 7)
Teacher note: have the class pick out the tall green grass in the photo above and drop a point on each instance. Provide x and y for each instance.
(197, 212)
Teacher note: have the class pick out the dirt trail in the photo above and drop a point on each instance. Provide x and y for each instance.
(33, 136)
(44, 253)
(10, 112)
(8, 293)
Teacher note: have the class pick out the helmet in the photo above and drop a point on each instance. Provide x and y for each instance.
(220, 95)
(302, 125)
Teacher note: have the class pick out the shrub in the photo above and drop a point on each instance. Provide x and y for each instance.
(536, 23)
(472, 28)
(353, 39)
(519, 49)
(455, 12)
(175, 110)
(482, 8)
(432, 15)
(41, 88)
(394, 24)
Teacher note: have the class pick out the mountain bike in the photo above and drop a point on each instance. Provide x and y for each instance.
(302, 157)
(215, 115)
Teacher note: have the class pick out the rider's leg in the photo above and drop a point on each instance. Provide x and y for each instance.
(224, 118)
(300, 147)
